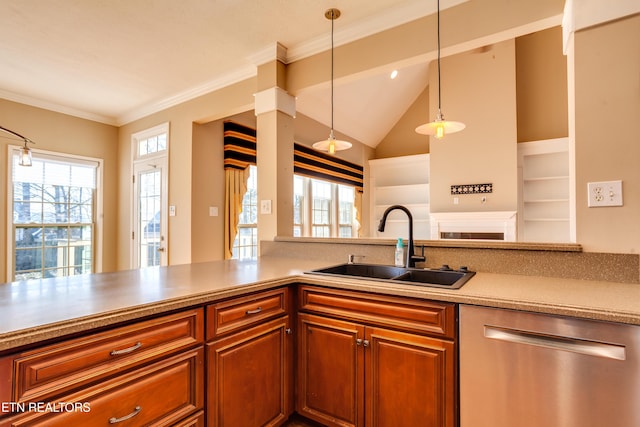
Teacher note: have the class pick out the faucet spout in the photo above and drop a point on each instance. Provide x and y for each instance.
(411, 258)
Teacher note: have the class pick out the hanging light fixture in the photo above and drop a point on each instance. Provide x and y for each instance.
(25, 151)
(439, 127)
(332, 144)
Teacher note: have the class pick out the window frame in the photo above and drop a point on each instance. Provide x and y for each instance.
(306, 209)
(98, 208)
(253, 175)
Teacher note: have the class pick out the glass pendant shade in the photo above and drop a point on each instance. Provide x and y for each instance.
(25, 156)
(331, 145)
(440, 127)
(25, 152)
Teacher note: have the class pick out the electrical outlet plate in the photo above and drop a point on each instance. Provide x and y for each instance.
(605, 193)
(265, 207)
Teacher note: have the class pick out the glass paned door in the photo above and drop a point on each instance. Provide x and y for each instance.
(150, 216)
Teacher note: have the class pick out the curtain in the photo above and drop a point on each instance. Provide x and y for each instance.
(235, 187)
(314, 164)
(239, 154)
(357, 205)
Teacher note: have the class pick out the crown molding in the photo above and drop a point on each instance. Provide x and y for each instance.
(57, 108)
(189, 94)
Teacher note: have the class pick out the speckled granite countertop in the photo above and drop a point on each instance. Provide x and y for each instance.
(36, 311)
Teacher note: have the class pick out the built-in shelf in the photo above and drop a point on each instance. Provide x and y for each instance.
(400, 181)
(544, 191)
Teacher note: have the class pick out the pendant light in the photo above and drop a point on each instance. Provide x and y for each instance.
(332, 144)
(25, 152)
(439, 127)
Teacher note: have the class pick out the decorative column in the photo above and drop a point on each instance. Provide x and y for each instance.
(275, 111)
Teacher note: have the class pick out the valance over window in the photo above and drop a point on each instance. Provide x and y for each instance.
(239, 146)
(314, 164)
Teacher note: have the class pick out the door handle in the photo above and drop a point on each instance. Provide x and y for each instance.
(555, 342)
(160, 249)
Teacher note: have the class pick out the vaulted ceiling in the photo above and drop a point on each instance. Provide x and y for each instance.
(116, 61)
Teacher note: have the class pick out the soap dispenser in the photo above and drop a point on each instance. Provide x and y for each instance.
(399, 255)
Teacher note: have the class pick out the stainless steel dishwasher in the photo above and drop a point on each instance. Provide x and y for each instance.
(532, 370)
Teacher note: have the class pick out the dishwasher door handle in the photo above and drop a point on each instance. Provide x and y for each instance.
(591, 348)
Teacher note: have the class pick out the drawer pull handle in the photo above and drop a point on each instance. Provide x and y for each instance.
(136, 411)
(126, 350)
(256, 311)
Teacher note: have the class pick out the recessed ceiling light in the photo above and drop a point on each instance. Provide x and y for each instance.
(394, 74)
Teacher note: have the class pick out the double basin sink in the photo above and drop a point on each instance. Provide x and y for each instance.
(440, 278)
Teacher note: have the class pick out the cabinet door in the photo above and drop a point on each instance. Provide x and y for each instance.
(410, 380)
(249, 376)
(330, 371)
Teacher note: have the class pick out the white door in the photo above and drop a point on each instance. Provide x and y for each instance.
(150, 213)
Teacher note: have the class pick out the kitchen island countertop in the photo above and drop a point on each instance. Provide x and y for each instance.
(45, 309)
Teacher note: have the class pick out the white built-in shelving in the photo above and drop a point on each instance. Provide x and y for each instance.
(400, 181)
(544, 191)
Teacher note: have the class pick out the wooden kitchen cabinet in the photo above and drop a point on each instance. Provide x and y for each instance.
(51, 370)
(357, 365)
(250, 361)
(330, 370)
(151, 371)
(160, 394)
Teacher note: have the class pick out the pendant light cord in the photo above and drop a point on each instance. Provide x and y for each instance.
(333, 18)
(439, 91)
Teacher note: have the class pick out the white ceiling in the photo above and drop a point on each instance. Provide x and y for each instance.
(115, 61)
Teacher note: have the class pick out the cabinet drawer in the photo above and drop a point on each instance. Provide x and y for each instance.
(238, 313)
(407, 314)
(58, 368)
(159, 394)
(195, 420)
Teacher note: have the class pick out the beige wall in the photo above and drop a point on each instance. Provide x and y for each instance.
(485, 151)
(68, 135)
(207, 187)
(607, 132)
(403, 140)
(213, 106)
(541, 81)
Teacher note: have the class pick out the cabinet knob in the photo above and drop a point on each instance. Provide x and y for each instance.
(365, 343)
(288, 331)
(358, 341)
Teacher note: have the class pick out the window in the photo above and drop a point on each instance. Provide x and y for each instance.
(346, 212)
(245, 245)
(149, 243)
(322, 208)
(153, 144)
(54, 211)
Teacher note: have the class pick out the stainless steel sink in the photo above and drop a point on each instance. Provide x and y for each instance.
(449, 279)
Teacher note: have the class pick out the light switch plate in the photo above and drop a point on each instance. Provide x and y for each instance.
(265, 207)
(172, 210)
(213, 211)
(605, 193)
